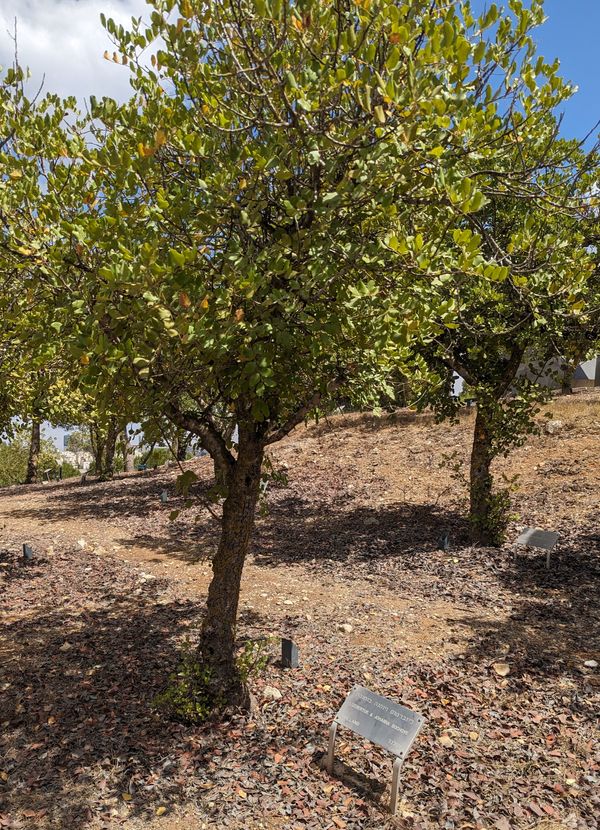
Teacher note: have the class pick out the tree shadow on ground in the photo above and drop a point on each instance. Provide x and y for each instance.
(80, 737)
(553, 626)
(128, 495)
(297, 532)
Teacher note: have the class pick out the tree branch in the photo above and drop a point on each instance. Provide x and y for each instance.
(301, 413)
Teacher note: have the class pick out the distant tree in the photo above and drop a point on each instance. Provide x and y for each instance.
(520, 282)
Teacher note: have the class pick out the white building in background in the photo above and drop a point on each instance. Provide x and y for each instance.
(557, 375)
(587, 374)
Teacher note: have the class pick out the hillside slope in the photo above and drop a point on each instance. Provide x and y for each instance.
(345, 561)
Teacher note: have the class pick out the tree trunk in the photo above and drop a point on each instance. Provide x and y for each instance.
(35, 446)
(128, 453)
(221, 472)
(108, 463)
(97, 448)
(566, 380)
(481, 483)
(217, 643)
(183, 442)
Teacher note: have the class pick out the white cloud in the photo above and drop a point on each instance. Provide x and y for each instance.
(64, 41)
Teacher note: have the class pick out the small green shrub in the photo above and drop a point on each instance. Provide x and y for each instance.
(253, 658)
(188, 698)
(69, 471)
(158, 457)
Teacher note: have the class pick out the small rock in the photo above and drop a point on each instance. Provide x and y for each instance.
(82, 543)
(446, 741)
(66, 647)
(271, 693)
(501, 669)
(346, 628)
(553, 427)
(591, 664)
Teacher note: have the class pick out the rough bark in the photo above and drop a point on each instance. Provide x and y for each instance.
(128, 452)
(181, 442)
(217, 643)
(35, 445)
(107, 466)
(481, 483)
(221, 472)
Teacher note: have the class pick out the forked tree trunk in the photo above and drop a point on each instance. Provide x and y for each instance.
(481, 483)
(217, 642)
(35, 446)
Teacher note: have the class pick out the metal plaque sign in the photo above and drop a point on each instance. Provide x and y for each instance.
(533, 537)
(379, 720)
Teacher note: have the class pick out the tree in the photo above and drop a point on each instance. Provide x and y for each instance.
(237, 260)
(520, 279)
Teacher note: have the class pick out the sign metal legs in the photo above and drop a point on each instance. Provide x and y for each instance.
(329, 761)
(395, 785)
(331, 748)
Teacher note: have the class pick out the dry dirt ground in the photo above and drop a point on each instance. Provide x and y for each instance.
(92, 627)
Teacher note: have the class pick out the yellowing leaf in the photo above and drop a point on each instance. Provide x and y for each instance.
(126, 797)
(160, 811)
(242, 793)
(84, 359)
(239, 314)
(184, 300)
(160, 137)
(15, 174)
(446, 741)
(204, 303)
(379, 114)
(186, 8)
(145, 151)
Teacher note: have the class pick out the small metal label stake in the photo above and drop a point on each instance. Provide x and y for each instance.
(381, 721)
(289, 654)
(533, 537)
(27, 552)
(164, 497)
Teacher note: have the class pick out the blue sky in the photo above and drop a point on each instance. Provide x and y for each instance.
(572, 33)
